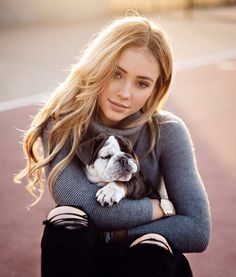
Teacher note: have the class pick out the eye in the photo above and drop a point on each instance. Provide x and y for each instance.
(106, 157)
(142, 84)
(117, 75)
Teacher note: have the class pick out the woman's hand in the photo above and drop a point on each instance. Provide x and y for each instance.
(120, 236)
(163, 209)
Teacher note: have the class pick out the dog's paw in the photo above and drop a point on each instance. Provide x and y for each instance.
(110, 194)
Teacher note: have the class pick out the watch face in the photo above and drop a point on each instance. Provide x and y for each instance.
(167, 207)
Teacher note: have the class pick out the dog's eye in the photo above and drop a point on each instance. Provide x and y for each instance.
(106, 157)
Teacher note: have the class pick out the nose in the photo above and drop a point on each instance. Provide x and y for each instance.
(124, 92)
(123, 161)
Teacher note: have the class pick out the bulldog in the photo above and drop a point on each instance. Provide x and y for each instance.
(110, 162)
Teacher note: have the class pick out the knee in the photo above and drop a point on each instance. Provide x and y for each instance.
(66, 226)
(67, 217)
(67, 244)
(155, 239)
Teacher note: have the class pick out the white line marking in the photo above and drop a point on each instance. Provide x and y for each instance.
(178, 67)
(23, 102)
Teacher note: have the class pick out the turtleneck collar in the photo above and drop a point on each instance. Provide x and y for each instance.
(96, 127)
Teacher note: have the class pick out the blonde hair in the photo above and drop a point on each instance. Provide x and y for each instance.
(73, 103)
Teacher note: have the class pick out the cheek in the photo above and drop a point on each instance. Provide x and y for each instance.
(106, 93)
(140, 100)
(108, 89)
(100, 165)
(102, 99)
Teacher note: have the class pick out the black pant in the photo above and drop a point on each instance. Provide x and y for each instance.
(75, 253)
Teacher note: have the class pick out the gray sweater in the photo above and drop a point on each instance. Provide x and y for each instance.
(172, 159)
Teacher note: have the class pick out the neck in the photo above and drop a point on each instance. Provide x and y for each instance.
(133, 134)
(97, 127)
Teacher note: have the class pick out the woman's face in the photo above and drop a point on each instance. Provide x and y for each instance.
(133, 83)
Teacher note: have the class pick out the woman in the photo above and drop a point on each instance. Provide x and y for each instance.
(119, 86)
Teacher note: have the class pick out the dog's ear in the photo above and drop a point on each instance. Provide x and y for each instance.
(125, 144)
(136, 159)
(87, 151)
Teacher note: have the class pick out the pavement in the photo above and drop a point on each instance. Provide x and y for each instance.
(34, 59)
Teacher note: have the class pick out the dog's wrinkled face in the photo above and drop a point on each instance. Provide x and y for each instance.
(111, 164)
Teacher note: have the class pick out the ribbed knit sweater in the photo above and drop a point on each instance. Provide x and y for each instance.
(172, 159)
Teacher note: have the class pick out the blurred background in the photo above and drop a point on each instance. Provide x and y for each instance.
(39, 40)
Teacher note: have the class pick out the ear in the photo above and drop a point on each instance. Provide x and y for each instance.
(125, 144)
(87, 151)
(136, 159)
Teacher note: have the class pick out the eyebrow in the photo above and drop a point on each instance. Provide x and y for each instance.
(139, 76)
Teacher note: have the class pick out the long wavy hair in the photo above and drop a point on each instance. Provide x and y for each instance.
(74, 101)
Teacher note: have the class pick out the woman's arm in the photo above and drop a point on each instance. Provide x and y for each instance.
(189, 230)
(73, 188)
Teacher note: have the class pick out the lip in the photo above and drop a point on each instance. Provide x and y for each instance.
(118, 104)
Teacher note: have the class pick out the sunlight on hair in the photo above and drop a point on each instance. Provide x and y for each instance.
(66, 115)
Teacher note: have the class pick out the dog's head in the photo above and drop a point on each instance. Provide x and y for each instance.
(108, 158)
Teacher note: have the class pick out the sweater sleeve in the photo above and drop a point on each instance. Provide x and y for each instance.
(189, 230)
(73, 188)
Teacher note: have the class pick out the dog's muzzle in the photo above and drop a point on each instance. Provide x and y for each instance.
(126, 164)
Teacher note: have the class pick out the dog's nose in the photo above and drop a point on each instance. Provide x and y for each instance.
(123, 161)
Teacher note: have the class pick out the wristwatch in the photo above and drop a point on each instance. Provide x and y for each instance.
(167, 207)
